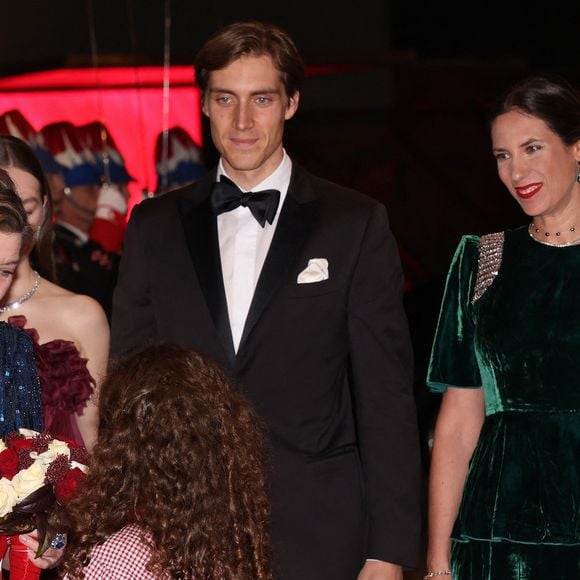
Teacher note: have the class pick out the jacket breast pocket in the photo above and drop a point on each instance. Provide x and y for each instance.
(313, 288)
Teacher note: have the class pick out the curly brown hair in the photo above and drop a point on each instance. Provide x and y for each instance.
(181, 454)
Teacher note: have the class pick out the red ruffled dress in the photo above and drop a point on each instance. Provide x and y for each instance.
(65, 382)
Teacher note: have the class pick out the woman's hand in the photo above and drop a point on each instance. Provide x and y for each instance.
(49, 559)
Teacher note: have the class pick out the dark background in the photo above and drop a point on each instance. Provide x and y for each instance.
(36, 33)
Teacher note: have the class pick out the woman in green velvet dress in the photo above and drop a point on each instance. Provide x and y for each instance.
(504, 498)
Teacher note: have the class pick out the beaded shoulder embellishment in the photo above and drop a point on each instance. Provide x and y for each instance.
(488, 262)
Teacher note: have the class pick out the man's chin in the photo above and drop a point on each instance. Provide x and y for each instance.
(242, 167)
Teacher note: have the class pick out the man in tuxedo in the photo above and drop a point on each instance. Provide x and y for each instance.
(294, 285)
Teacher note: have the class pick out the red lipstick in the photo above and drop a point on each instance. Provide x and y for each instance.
(527, 191)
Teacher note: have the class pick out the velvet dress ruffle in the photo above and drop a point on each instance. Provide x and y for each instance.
(521, 342)
(65, 382)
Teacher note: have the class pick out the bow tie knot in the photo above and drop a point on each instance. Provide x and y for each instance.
(245, 198)
(227, 196)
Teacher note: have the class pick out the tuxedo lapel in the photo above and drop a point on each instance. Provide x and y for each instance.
(200, 228)
(297, 216)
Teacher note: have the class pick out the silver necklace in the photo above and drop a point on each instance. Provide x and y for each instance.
(18, 303)
(551, 244)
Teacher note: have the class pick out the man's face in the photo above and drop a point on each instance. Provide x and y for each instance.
(80, 205)
(247, 106)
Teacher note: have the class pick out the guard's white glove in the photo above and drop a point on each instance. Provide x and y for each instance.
(111, 200)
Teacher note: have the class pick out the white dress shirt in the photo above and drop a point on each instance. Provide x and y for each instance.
(244, 245)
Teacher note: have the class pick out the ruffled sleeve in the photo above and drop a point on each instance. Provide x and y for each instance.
(453, 360)
(65, 381)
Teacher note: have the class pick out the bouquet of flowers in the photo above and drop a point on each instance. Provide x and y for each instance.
(37, 473)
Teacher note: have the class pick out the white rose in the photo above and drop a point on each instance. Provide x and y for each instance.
(28, 433)
(27, 481)
(80, 466)
(54, 448)
(59, 447)
(45, 458)
(8, 497)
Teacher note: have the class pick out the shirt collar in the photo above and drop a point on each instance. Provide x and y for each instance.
(83, 236)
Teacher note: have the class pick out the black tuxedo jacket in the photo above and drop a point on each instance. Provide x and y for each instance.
(327, 364)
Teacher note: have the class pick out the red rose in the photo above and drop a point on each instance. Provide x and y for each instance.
(8, 464)
(68, 486)
(18, 443)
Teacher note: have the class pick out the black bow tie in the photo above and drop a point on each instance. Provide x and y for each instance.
(226, 196)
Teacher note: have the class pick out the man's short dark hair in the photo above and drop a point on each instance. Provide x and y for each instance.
(251, 38)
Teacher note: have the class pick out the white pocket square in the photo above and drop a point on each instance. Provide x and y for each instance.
(316, 271)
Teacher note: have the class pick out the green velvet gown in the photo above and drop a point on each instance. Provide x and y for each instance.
(520, 513)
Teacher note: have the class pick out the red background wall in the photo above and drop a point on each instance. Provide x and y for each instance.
(130, 101)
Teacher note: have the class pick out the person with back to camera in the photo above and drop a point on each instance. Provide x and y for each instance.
(70, 331)
(504, 485)
(294, 285)
(176, 485)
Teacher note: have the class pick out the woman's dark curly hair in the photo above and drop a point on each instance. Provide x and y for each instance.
(181, 454)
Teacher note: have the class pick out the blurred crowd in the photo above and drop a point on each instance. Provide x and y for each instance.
(88, 182)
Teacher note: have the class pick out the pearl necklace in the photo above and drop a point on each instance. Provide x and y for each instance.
(548, 234)
(18, 303)
(552, 245)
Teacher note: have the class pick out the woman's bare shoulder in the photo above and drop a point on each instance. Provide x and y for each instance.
(75, 309)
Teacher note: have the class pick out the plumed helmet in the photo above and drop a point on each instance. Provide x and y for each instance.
(182, 163)
(15, 124)
(110, 164)
(78, 164)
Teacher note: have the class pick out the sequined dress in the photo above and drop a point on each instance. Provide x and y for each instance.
(520, 340)
(19, 384)
(65, 382)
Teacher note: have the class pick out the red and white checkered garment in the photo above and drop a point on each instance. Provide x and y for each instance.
(122, 556)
